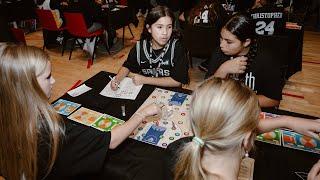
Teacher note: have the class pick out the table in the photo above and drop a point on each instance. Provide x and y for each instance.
(137, 160)
(121, 18)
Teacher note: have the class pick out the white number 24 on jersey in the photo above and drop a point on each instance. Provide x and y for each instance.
(262, 27)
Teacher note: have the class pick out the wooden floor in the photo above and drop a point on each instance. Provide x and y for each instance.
(301, 92)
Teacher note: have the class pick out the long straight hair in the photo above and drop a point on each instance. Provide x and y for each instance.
(222, 113)
(26, 114)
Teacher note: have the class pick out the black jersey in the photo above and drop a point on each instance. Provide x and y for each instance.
(262, 75)
(268, 20)
(169, 61)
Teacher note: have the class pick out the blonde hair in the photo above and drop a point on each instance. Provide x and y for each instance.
(27, 120)
(222, 113)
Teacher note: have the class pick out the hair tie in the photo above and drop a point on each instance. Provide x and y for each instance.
(198, 141)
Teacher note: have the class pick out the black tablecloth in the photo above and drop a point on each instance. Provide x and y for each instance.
(137, 160)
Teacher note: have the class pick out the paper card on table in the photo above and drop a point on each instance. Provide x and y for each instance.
(178, 98)
(65, 107)
(127, 90)
(107, 122)
(297, 141)
(85, 116)
(273, 137)
(154, 134)
(79, 90)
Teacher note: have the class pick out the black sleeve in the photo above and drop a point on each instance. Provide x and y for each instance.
(217, 58)
(83, 151)
(271, 82)
(131, 63)
(180, 68)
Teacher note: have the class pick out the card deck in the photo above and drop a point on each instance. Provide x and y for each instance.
(107, 122)
(297, 141)
(85, 116)
(65, 107)
(273, 137)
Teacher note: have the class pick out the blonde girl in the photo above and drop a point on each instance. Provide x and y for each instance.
(32, 132)
(224, 120)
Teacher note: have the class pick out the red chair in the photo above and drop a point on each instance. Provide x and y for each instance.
(77, 27)
(48, 23)
(18, 34)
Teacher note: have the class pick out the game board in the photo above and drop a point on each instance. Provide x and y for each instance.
(288, 138)
(102, 122)
(171, 126)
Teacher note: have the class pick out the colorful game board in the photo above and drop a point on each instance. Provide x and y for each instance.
(288, 138)
(65, 107)
(171, 126)
(102, 122)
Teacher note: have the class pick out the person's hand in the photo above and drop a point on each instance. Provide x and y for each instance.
(306, 127)
(237, 65)
(137, 79)
(64, 3)
(114, 84)
(150, 110)
(314, 173)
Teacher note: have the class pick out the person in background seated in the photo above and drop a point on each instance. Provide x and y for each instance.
(158, 58)
(224, 119)
(35, 143)
(236, 58)
(208, 13)
(268, 19)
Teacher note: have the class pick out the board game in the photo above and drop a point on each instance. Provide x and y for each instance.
(171, 126)
(102, 122)
(288, 138)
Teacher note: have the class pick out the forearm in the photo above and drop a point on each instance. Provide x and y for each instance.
(161, 81)
(267, 125)
(120, 133)
(221, 73)
(267, 102)
(123, 72)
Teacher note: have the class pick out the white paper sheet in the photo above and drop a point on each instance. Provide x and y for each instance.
(79, 90)
(127, 90)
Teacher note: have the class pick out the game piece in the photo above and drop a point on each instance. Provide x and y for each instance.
(65, 107)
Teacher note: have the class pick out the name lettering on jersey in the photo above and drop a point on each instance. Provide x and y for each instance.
(250, 80)
(272, 15)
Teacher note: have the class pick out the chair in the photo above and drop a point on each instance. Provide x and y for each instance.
(77, 27)
(48, 23)
(200, 41)
(18, 34)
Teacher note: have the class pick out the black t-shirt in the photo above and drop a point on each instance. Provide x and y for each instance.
(83, 152)
(169, 61)
(268, 20)
(262, 75)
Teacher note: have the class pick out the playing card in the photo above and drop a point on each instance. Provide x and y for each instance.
(85, 116)
(273, 137)
(178, 99)
(65, 107)
(297, 141)
(107, 122)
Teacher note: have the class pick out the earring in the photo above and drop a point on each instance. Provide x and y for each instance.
(246, 168)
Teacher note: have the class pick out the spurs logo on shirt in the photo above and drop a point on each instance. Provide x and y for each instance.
(155, 63)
